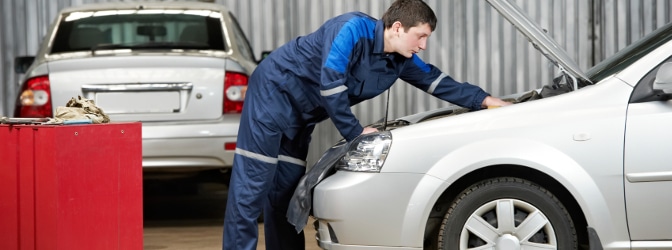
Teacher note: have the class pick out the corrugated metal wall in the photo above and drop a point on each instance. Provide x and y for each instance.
(472, 42)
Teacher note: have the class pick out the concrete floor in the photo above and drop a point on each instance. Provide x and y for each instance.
(174, 221)
(199, 235)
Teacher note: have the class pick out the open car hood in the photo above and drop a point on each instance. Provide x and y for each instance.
(539, 39)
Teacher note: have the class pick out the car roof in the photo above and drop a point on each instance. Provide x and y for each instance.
(186, 5)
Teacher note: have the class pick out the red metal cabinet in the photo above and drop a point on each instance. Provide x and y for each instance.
(71, 187)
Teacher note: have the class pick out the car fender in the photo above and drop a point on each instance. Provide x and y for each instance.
(523, 152)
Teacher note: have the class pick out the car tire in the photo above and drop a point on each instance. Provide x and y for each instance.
(533, 216)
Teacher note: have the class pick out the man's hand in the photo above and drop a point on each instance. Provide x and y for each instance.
(369, 130)
(490, 101)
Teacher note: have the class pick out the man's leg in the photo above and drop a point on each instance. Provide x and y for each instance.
(254, 167)
(279, 233)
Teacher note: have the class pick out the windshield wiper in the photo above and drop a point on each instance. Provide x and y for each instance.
(173, 45)
(109, 46)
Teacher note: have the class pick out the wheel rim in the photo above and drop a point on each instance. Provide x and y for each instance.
(507, 224)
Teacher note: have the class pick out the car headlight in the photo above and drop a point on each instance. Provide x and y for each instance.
(367, 153)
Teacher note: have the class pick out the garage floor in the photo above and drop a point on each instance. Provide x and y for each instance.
(174, 221)
(198, 235)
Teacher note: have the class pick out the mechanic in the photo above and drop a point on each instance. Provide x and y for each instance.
(350, 58)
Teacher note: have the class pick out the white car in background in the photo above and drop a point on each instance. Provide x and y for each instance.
(585, 169)
(180, 68)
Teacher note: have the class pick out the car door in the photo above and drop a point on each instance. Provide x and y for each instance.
(647, 165)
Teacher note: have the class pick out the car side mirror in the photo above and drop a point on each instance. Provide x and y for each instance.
(264, 54)
(22, 63)
(663, 81)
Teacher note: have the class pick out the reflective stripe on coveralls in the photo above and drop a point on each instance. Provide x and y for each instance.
(269, 159)
(333, 91)
(435, 83)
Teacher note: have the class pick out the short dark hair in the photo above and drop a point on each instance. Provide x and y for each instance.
(410, 13)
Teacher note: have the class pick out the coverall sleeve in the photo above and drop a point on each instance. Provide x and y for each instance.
(333, 90)
(431, 80)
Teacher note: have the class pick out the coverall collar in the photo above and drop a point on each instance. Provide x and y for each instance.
(379, 40)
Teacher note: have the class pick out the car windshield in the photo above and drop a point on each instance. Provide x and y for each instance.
(139, 29)
(630, 54)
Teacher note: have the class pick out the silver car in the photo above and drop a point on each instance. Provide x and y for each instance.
(581, 163)
(180, 68)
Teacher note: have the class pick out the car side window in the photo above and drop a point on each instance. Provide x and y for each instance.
(644, 90)
(241, 40)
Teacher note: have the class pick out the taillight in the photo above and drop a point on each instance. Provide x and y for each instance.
(34, 98)
(229, 146)
(235, 86)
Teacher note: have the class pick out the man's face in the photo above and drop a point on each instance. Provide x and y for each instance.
(413, 40)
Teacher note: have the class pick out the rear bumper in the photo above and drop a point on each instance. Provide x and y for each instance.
(195, 152)
(188, 145)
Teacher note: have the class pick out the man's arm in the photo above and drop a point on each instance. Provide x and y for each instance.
(431, 80)
(336, 59)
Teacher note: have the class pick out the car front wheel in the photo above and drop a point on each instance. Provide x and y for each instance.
(507, 213)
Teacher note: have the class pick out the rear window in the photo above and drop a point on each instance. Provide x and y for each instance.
(139, 29)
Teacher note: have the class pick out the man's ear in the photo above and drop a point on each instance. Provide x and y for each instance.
(397, 27)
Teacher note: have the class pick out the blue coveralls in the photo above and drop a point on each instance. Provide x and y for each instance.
(308, 80)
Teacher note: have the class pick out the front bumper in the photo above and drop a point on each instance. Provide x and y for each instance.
(325, 242)
(373, 210)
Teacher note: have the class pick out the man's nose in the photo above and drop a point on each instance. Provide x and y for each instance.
(423, 44)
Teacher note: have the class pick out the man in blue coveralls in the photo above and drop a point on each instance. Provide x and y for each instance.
(350, 58)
